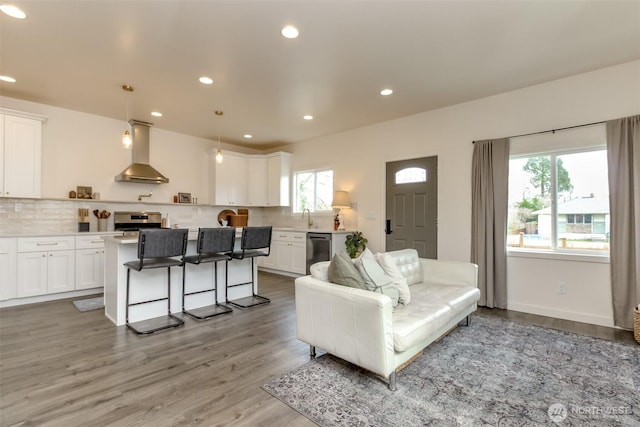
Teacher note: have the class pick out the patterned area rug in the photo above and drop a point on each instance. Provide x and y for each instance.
(89, 304)
(493, 373)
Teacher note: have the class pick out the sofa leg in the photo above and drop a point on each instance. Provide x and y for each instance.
(467, 320)
(312, 351)
(392, 381)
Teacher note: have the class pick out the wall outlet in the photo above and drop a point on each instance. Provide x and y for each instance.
(562, 288)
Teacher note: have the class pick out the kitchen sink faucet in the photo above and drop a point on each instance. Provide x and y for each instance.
(309, 220)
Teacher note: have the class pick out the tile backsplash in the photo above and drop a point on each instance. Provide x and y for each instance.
(45, 216)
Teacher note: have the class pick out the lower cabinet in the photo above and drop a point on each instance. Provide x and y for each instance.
(288, 252)
(46, 265)
(42, 273)
(8, 251)
(89, 262)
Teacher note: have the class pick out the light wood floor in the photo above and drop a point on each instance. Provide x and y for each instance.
(61, 367)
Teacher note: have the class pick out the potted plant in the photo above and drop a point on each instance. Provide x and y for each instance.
(355, 243)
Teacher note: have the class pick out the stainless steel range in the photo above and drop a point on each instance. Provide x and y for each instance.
(131, 222)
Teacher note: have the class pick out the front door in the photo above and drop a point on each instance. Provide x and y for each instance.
(412, 206)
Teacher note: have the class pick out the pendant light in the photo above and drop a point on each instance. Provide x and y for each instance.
(219, 157)
(126, 136)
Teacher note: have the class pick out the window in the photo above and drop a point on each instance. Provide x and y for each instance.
(559, 201)
(313, 190)
(411, 175)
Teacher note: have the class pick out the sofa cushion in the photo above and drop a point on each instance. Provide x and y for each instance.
(375, 278)
(408, 263)
(432, 307)
(342, 271)
(389, 266)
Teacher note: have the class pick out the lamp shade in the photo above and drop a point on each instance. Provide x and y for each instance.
(341, 200)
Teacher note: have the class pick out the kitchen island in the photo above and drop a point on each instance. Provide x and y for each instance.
(151, 284)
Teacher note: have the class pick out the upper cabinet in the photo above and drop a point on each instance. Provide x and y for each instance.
(278, 179)
(230, 180)
(20, 154)
(250, 180)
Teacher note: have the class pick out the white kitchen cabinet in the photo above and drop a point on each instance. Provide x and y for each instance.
(89, 262)
(288, 252)
(250, 180)
(278, 179)
(46, 265)
(230, 180)
(257, 181)
(20, 151)
(8, 264)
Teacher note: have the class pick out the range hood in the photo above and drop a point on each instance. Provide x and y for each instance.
(140, 170)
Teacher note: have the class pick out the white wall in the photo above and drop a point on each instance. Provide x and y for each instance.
(358, 158)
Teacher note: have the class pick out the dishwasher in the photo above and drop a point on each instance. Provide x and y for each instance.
(318, 248)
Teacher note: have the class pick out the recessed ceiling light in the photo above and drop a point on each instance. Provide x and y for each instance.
(386, 92)
(206, 80)
(308, 117)
(248, 136)
(156, 114)
(13, 11)
(290, 32)
(7, 79)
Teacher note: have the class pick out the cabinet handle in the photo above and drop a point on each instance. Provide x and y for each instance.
(47, 244)
(96, 241)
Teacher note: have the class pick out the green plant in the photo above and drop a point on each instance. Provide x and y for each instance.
(355, 243)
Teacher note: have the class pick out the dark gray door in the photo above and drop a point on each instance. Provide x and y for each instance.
(412, 206)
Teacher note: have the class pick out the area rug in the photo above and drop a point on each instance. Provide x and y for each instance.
(89, 304)
(493, 373)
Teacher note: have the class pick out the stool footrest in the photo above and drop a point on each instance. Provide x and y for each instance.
(249, 301)
(171, 321)
(207, 312)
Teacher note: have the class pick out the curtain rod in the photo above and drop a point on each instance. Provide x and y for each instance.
(554, 130)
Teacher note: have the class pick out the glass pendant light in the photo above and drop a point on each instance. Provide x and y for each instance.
(126, 136)
(219, 157)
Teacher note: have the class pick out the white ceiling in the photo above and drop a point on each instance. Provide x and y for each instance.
(78, 54)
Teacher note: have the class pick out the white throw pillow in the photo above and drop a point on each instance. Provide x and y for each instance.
(320, 270)
(374, 276)
(391, 269)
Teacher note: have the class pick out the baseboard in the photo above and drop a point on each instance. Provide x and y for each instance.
(562, 314)
(280, 272)
(49, 297)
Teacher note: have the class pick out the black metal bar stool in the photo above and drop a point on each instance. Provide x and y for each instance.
(157, 249)
(214, 245)
(256, 242)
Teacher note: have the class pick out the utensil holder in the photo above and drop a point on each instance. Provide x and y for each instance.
(83, 227)
(102, 224)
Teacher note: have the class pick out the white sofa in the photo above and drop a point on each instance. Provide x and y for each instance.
(363, 328)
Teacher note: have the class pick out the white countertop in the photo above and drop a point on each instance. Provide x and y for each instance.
(58, 234)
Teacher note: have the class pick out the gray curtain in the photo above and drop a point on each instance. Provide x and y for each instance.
(623, 158)
(490, 188)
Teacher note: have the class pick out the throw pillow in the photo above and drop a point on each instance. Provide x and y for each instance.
(320, 270)
(391, 269)
(343, 272)
(375, 278)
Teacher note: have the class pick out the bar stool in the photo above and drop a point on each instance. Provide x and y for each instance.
(256, 242)
(214, 245)
(156, 249)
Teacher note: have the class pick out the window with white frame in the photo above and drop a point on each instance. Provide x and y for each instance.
(559, 198)
(313, 190)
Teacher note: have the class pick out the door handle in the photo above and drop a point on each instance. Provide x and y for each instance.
(387, 229)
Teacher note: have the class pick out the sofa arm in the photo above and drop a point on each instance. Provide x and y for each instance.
(353, 324)
(449, 272)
